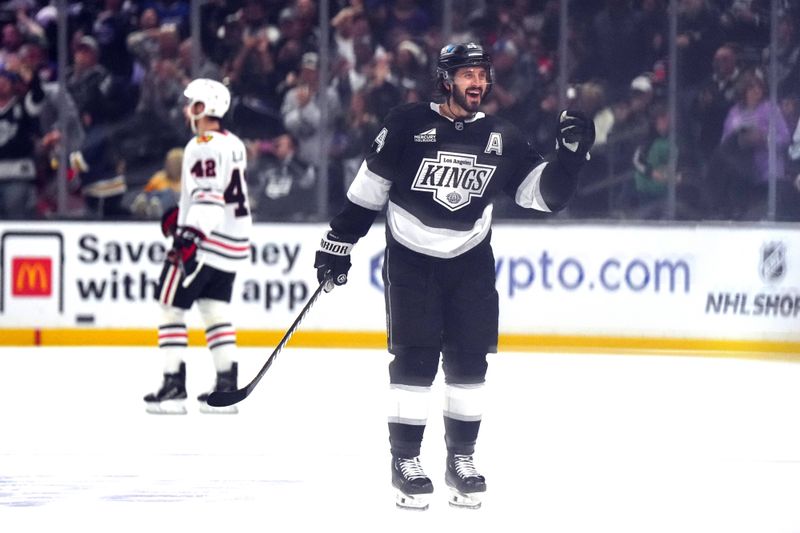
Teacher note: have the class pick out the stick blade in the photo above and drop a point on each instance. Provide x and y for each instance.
(224, 399)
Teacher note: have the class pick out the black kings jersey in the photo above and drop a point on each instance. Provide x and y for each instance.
(439, 177)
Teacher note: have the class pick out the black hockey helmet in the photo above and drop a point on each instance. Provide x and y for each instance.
(455, 56)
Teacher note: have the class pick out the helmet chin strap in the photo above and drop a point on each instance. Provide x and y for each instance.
(193, 120)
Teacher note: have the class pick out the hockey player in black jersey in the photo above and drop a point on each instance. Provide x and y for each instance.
(436, 168)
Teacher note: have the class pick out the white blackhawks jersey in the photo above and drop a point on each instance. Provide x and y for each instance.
(214, 198)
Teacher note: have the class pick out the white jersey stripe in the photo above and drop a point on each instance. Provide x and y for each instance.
(369, 190)
(444, 243)
(529, 193)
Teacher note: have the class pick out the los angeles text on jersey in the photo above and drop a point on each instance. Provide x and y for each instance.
(453, 178)
(761, 304)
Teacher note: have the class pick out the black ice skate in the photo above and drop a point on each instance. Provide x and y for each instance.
(169, 400)
(226, 381)
(464, 481)
(412, 486)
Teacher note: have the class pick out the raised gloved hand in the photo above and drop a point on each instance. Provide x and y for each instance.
(575, 138)
(169, 221)
(333, 259)
(184, 250)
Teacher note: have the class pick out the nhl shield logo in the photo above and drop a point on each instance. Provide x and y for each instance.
(772, 267)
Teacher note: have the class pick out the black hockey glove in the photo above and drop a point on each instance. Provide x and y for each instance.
(574, 139)
(333, 259)
(184, 251)
(169, 221)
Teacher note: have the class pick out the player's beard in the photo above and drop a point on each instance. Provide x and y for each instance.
(461, 99)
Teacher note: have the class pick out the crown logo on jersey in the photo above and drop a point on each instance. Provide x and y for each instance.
(426, 136)
(453, 178)
(204, 138)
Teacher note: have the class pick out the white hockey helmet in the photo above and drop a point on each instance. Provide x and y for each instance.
(216, 99)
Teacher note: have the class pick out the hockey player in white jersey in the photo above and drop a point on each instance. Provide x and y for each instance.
(210, 232)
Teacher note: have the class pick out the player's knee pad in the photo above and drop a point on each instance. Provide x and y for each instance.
(214, 312)
(464, 368)
(414, 366)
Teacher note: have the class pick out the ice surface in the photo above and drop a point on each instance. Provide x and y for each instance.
(570, 443)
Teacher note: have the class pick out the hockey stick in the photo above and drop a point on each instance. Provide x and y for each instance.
(226, 398)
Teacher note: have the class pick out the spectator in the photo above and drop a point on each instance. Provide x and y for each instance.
(357, 132)
(343, 30)
(738, 175)
(405, 17)
(90, 84)
(651, 166)
(18, 132)
(143, 43)
(510, 89)
(382, 91)
(111, 28)
(631, 123)
(698, 37)
(285, 185)
(653, 26)
(301, 111)
(713, 103)
(746, 22)
(172, 12)
(616, 43)
(788, 57)
(162, 190)
(158, 120)
(253, 78)
(411, 69)
(56, 136)
(102, 180)
(34, 54)
(206, 69)
(11, 41)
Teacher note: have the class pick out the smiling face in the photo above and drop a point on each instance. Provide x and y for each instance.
(468, 88)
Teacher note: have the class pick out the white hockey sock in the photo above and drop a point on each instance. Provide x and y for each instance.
(464, 402)
(172, 341)
(408, 404)
(221, 340)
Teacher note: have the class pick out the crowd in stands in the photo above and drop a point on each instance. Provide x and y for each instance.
(122, 124)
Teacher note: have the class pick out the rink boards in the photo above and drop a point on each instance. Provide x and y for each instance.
(563, 286)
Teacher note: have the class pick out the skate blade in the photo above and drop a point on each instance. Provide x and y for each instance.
(413, 502)
(210, 410)
(168, 407)
(464, 500)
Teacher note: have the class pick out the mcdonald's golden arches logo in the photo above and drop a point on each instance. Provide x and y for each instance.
(32, 276)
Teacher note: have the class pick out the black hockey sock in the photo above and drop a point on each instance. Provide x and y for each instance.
(405, 440)
(460, 437)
